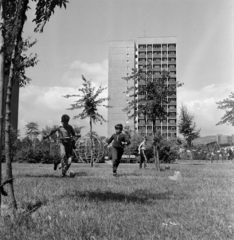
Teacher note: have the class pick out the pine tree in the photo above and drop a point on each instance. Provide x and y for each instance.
(187, 125)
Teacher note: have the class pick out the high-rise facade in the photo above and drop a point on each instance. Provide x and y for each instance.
(161, 52)
(121, 62)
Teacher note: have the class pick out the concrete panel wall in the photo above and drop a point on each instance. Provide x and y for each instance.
(121, 62)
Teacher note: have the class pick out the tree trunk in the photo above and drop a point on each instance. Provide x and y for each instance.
(91, 140)
(1, 87)
(22, 7)
(7, 134)
(156, 155)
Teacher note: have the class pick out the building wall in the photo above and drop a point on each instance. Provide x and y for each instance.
(225, 139)
(162, 53)
(125, 55)
(121, 62)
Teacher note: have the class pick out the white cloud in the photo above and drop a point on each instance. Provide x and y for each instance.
(97, 72)
(45, 105)
(203, 104)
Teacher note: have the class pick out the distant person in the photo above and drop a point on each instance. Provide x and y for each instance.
(141, 151)
(212, 156)
(66, 134)
(120, 140)
(230, 154)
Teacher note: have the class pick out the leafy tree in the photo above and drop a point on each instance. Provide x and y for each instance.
(89, 102)
(13, 17)
(153, 92)
(228, 106)
(32, 130)
(187, 126)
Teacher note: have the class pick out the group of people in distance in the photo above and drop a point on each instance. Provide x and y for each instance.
(118, 141)
(222, 154)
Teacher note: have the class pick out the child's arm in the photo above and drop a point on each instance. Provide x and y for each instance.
(51, 133)
(110, 140)
(126, 141)
(139, 148)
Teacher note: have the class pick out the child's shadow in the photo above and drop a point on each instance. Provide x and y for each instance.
(76, 174)
(138, 196)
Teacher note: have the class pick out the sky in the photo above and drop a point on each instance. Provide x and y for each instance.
(75, 42)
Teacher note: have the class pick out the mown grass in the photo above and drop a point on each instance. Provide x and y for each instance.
(139, 204)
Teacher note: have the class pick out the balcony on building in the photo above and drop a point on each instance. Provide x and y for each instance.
(157, 67)
(172, 94)
(171, 47)
(172, 101)
(149, 54)
(141, 46)
(173, 74)
(142, 61)
(157, 60)
(142, 55)
(171, 110)
(149, 47)
(172, 54)
(157, 46)
(172, 116)
(172, 61)
(172, 81)
(157, 54)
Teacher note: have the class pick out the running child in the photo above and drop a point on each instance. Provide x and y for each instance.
(120, 140)
(66, 134)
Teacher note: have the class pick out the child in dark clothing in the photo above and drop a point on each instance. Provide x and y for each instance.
(120, 140)
(66, 134)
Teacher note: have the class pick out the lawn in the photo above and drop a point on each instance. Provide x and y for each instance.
(138, 204)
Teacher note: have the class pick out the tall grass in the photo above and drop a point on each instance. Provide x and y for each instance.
(139, 204)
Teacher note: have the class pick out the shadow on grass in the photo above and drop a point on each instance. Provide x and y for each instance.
(77, 174)
(129, 174)
(138, 196)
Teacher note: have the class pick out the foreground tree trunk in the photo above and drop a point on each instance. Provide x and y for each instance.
(9, 174)
(91, 140)
(19, 23)
(1, 87)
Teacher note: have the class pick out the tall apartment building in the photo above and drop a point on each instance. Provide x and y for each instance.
(121, 62)
(162, 53)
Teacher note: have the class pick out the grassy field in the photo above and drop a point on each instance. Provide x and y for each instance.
(139, 204)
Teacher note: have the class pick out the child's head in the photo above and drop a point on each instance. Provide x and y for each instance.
(118, 128)
(65, 119)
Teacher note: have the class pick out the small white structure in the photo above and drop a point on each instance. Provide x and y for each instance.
(176, 177)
